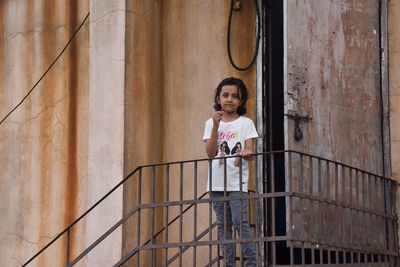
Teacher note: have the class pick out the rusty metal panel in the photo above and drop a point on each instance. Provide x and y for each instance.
(332, 74)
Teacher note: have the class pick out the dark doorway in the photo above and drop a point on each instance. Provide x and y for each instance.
(273, 67)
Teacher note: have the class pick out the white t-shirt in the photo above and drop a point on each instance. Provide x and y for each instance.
(231, 138)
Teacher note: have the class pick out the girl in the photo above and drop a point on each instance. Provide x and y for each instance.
(228, 125)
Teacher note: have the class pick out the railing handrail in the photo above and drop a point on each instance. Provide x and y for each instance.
(190, 161)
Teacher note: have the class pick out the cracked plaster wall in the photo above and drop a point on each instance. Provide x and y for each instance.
(43, 144)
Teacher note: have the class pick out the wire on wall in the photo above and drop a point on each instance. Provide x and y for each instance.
(233, 3)
(48, 69)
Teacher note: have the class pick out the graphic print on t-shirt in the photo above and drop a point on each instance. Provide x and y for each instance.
(227, 136)
(223, 151)
(235, 151)
(231, 139)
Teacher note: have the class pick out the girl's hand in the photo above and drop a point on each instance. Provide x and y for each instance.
(246, 154)
(217, 117)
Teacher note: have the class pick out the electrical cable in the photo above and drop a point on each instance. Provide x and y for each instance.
(257, 39)
(48, 69)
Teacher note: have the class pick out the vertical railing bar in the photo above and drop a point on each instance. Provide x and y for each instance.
(394, 222)
(153, 194)
(383, 201)
(343, 203)
(337, 200)
(319, 204)
(385, 210)
(396, 234)
(68, 245)
(225, 210)
(272, 163)
(329, 256)
(350, 210)
(369, 190)
(311, 189)
(375, 209)
(337, 256)
(303, 255)
(166, 214)
(241, 208)
(139, 215)
(386, 220)
(210, 212)
(256, 215)
(364, 206)
(265, 207)
(321, 256)
(357, 205)
(388, 188)
(180, 212)
(312, 256)
(195, 214)
(351, 255)
(302, 190)
(290, 232)
(328, 206)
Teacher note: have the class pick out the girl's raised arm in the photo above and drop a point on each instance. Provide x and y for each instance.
(211, 144)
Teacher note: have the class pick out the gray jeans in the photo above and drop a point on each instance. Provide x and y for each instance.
(233, 218)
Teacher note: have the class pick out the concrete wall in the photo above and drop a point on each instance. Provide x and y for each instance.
(106, 127)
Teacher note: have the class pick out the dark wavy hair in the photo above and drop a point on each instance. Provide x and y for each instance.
(242, 89)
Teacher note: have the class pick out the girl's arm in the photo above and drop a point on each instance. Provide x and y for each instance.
(247, 152)
(211, 144)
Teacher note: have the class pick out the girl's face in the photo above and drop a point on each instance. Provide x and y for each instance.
(229, 98)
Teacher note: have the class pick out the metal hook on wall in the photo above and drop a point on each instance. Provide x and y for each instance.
(298, 133)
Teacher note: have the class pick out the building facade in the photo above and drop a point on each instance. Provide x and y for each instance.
(136, 85)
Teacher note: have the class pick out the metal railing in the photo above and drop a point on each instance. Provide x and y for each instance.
(304, 210)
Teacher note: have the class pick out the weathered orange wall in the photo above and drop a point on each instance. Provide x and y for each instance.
(43, 152)
(176, 56)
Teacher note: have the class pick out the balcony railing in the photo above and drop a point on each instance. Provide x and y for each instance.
(303, 210)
